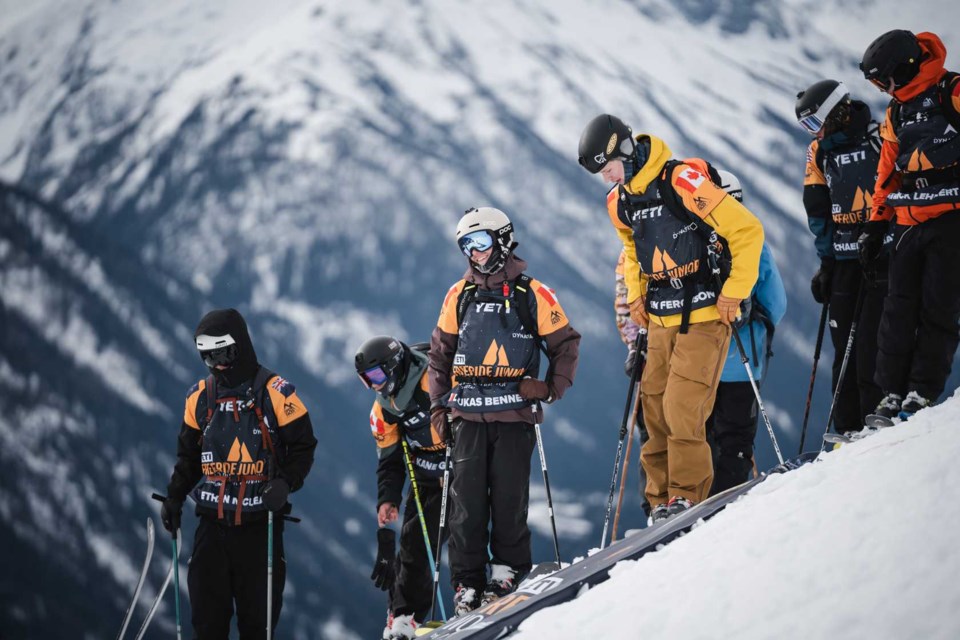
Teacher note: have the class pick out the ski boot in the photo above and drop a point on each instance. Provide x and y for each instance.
(502, 581)
(658, 514)
(403, 628)
(465, 600)
(677, 505)
(913, 403)
(886, 412)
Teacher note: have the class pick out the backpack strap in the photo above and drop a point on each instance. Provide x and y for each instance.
(946, 86)
(211, 388)
(467, 294)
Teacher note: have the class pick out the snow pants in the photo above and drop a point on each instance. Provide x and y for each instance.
(731, 430)
(229, 567)
(490, 487)
(918, 330)
(859, 395)
(678, 389)
(412, 593)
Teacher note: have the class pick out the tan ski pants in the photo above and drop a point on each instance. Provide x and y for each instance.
(678, 389)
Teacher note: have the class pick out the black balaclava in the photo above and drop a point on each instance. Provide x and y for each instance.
(229, 321)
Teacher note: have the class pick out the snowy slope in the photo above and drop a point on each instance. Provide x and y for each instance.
(860, 544)
(305, 162)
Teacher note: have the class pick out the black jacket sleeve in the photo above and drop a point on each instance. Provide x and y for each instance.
(299, 444)
(187, 471)
(390, 477)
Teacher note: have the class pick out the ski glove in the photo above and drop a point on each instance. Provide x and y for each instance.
(821, 282)
(870, 242)
(170, 514)
(533, 389)
(728, 308)
(384, 572)
(275, 494)
(638, 312)
(440, 421)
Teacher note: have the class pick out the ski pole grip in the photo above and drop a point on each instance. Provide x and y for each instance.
(158, 497)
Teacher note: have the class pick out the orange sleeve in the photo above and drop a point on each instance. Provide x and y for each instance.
(448, 312)
(550, 315)
(385, 433)
(888, 180)
(286, 405)
(813, 175)
(190, 410)
(955, 95)
(696, 190)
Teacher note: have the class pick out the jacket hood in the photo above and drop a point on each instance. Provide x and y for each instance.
(659, 155)
(931, 69)
(402, 400)
(513, 267)
(229, 321)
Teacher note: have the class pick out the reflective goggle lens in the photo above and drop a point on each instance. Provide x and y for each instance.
(374, 376)
(813, 123)
(223, 357)
(476, 241)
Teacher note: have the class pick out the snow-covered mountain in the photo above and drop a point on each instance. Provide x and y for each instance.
(306, 162)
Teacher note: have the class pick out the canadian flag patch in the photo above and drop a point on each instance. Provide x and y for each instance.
(547, 294)
(689, 179)
(376, 425)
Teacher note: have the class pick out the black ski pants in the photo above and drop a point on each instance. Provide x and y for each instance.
(490, 488)
(229, 567)
(918, 330)
(412, 593)
(859, 394)
(731, 431)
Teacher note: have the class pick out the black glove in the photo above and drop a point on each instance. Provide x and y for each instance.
(820, 284)
(440, 421)
(275, 494)
(630, 362)
(534, 389)
(870, 242)
(170, 514)
(384, 571)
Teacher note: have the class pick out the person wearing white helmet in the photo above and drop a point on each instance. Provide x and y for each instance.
(484, 375)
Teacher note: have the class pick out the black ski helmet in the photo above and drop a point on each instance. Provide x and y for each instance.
(382, 360)
(819, 102)
(605, 138)
(895, 55)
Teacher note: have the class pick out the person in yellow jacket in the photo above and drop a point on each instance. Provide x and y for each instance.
(677, 229)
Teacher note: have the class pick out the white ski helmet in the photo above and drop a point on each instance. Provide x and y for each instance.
(500, 230)
(731, 184)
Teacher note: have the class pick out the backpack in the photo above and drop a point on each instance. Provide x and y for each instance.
(873, 135)
(945, 86)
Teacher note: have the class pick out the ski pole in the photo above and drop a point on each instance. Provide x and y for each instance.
(623, 475)
(423, 520)
(546, 483)
(269, 564)
(443, 521)
(846, 357)
(175, 548)
(715, 268)
(623, 434)
(813, 374)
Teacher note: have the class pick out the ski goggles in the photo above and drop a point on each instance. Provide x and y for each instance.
(374, 376)
(814, 122)
(476, 241)
(222, 357)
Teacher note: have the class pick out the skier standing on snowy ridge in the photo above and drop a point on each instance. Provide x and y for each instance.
(732, 426)
(484, 368)
(838, 182)
(675, 225)
(399, 422)
(918, 187)
(247, 439)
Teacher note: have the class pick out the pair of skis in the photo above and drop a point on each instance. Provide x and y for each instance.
(872, 424)
(172, 573)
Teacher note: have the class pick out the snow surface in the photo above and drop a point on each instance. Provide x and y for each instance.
(860, 544)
